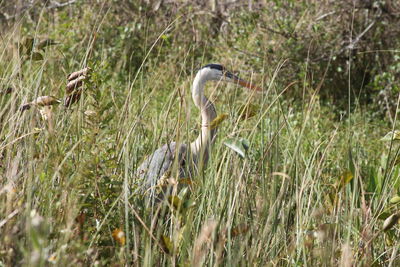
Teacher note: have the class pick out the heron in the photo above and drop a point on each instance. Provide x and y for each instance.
(190, 158)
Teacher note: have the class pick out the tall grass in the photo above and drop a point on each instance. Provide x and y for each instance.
(313, 188)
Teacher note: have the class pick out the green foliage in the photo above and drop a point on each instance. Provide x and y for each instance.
(240, 146)
(317, 174)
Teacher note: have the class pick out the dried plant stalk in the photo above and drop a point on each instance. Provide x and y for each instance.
(41, 101)
(73, 98)
(76, 74)
(203, 238)
(73, 88)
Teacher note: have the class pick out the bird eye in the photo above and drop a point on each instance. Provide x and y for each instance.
(228, 74)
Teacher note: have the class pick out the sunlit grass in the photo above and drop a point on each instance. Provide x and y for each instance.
(313, 188)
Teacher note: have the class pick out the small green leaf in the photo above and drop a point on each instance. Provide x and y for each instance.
(175, 201)
(392, 135)
(344, 179)
(240, 146)
(218, 120)
(36, 56)
(245, 143)
(167, 244)
(395, 200)
(189, 204)
(248, 110)
(183, 192)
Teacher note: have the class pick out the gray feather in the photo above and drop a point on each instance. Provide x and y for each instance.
(161, 162)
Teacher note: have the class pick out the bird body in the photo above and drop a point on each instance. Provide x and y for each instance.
(160, 163)
(191, 158)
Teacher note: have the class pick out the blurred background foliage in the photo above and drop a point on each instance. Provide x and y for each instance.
(346, 50)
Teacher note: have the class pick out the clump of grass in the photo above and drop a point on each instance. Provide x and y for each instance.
(309, 186)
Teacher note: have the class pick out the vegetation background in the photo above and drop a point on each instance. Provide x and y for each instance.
(309, 180)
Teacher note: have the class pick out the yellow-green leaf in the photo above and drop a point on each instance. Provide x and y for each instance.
(248, 110)
(167, 244)
(345, 178)
(218, 120)
(175, 201)
(395, 200)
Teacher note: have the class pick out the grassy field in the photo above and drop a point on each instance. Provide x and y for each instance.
(317, 185)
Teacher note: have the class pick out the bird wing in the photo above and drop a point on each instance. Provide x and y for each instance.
(160, 163)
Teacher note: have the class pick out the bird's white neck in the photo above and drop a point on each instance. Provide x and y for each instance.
(201, 146)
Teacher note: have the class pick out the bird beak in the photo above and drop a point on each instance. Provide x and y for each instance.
(247, 84)
(241, 82)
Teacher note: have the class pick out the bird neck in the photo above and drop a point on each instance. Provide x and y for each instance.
(201, 146)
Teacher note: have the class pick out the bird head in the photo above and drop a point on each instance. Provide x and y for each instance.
(217, 72)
